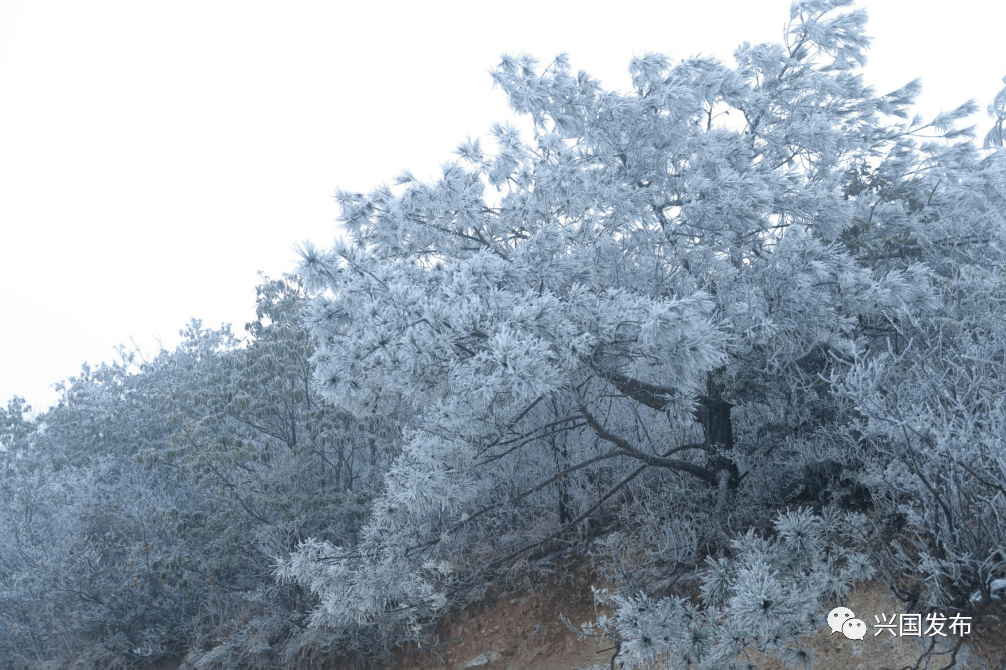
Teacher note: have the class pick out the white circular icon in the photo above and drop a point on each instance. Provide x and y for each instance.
(854, 629)
(837, 618)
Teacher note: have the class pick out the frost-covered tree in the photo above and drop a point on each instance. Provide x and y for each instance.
(79, 543)
(139, 517)
(643, 297)
(997, 135)
(931, 401)
(249, 429)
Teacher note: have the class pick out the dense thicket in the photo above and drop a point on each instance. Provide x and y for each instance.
(141, 516)
(645, 334)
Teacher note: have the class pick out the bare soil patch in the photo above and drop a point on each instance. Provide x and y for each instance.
(523, 631)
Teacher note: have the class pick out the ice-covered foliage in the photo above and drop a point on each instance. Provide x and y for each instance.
(645, 285)
(139, 517)
(763, 597)
(932, 402)
(643, 325)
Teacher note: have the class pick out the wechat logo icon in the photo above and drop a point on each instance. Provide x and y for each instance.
(837, 618)
(843, 620)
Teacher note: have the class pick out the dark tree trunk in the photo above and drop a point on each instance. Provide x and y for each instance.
(561, 460)
(714, 414)
(717, 428)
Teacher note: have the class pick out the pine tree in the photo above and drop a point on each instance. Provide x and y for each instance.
(624, 304)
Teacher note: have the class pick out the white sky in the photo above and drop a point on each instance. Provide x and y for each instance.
(155, 155)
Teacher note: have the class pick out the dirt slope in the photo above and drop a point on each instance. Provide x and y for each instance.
(523, 631)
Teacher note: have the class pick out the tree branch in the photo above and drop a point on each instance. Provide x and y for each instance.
(650, 459)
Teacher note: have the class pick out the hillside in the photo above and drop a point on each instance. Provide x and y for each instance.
(524, 630)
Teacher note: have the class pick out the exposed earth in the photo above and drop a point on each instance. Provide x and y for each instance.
(523, 631)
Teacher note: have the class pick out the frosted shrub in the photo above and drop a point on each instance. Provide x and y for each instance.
(764, 596)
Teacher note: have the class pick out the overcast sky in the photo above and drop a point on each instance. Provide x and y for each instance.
(155, 155)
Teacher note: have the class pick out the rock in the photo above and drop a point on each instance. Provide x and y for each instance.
(996, 589)
(484, 658)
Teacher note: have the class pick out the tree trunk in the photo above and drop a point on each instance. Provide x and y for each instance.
(717, 428)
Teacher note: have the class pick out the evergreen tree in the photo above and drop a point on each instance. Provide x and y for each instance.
(641, 303)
